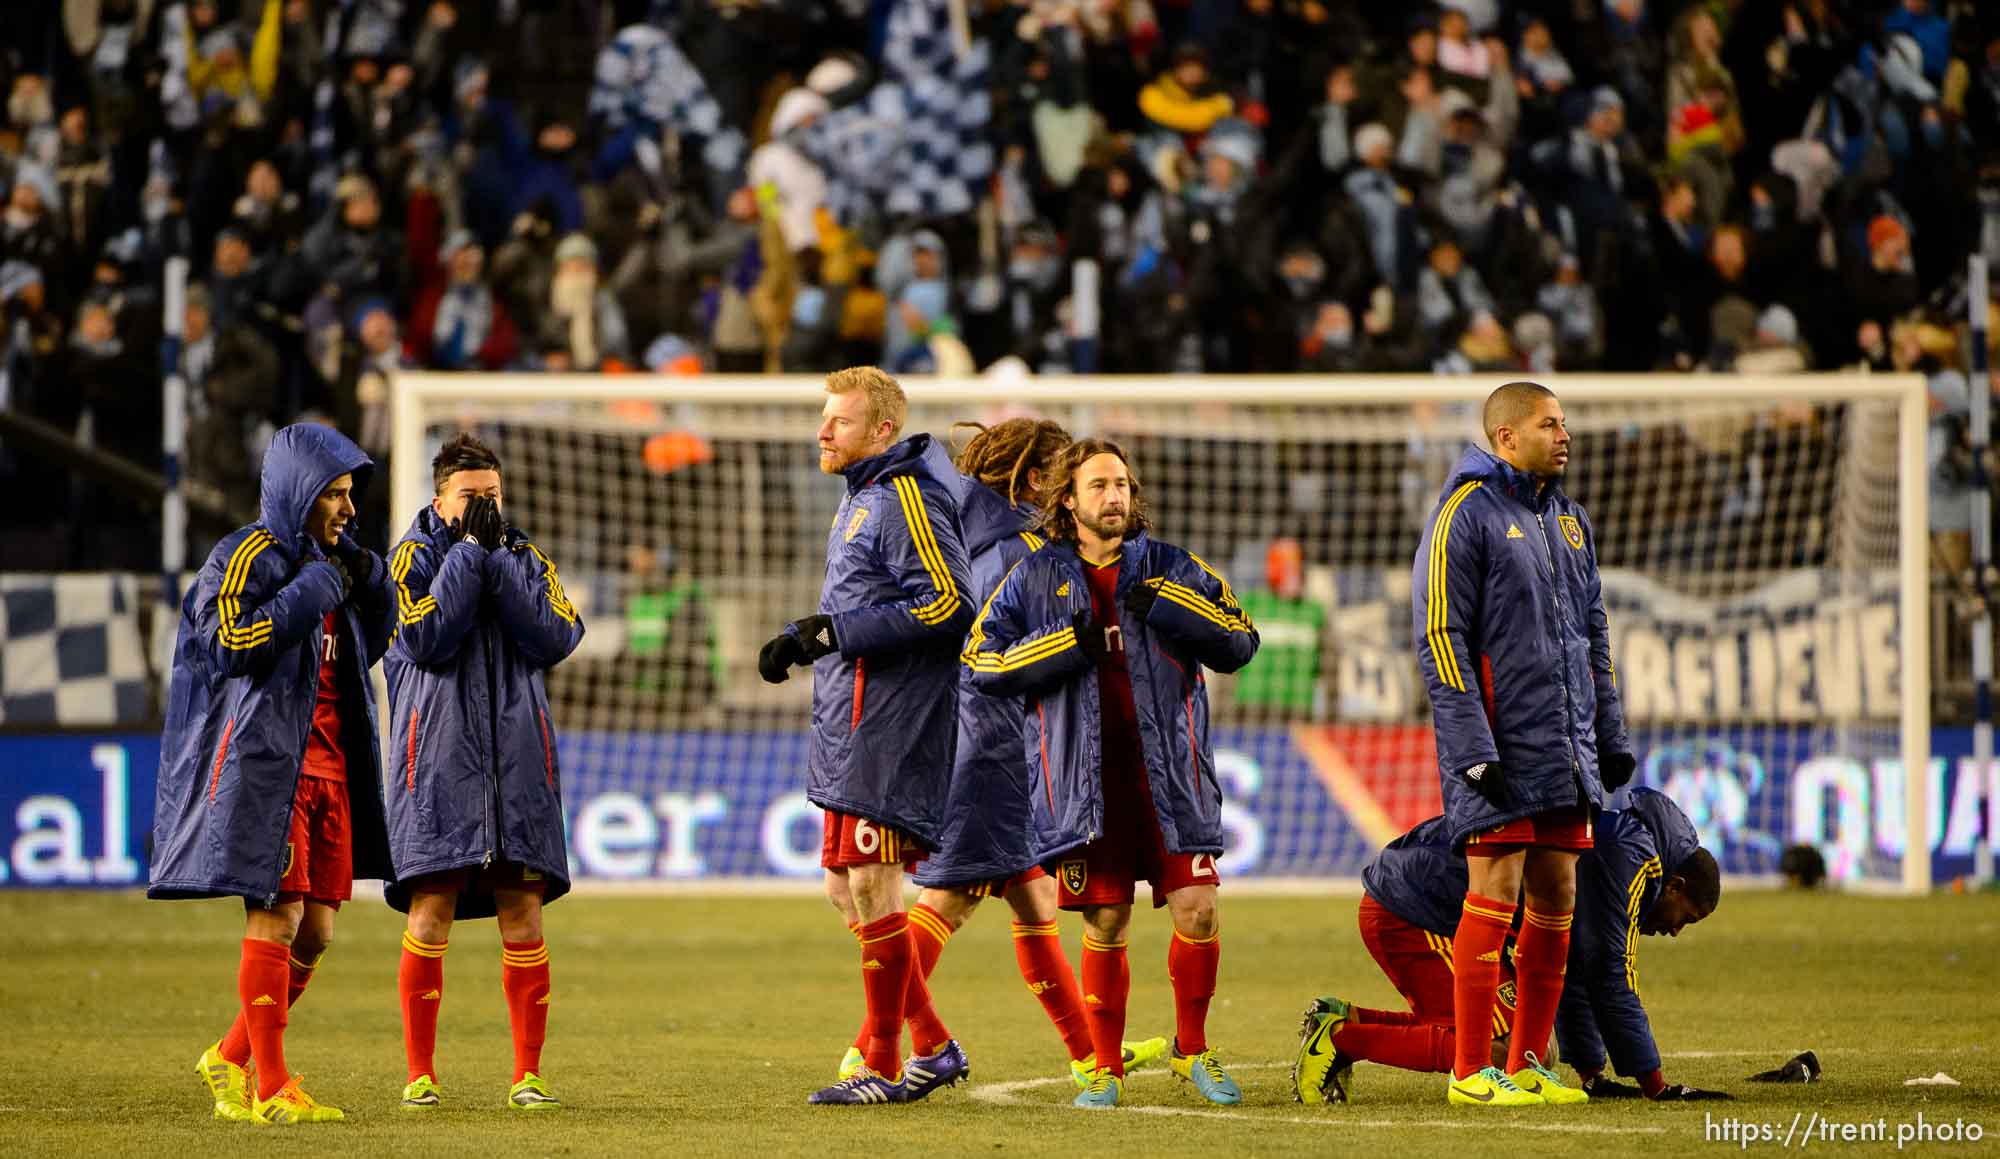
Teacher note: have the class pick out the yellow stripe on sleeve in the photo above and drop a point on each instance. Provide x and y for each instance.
(228, 600)
(1437, 603)
(1199, 604)
(408, 610)
(557, 599)
(1228, 594)
(918, 518)
(1634, 895)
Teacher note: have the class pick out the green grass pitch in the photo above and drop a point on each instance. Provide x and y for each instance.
(695, 1026)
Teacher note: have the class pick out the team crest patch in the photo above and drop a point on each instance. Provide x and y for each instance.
(1074, 875)
(854, 524)
(1572, 530)
(1506, 995)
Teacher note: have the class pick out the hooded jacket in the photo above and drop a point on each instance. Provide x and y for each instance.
(985, 833)
(899, 590)
(245, 679)
(1421, 878)
(473, 749)
(1510, 630)
(1024, 644)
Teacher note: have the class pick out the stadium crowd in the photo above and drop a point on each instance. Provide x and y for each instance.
(1082, 186)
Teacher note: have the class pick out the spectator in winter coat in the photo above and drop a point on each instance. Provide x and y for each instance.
(1182, 99)
(350, 251)
(458, 323)
(581, 311)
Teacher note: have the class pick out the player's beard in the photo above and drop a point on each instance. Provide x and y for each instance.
(1099, 526)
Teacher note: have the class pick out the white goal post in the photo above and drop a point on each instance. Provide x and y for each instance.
(1780, 601)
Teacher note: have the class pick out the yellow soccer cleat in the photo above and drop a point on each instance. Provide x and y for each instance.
(1537, 1079)
(1489, 1088)
(850, 1064)
(1320, 1073)
(291, 1106)
(423, 1095)
(227, 1083)
(1138, 1054)
(532, 1094)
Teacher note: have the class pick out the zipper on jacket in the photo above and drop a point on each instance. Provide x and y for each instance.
(493, 735)
(1555, 627)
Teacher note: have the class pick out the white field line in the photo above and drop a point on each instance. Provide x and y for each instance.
(1007, 1095)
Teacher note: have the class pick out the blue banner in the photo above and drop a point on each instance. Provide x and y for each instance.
(1307, 801)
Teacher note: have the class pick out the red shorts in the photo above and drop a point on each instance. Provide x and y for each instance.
(319, 849)
(481, 879)
(850, 840)
(1418, 963)
(1565, 828)
(1105, 871)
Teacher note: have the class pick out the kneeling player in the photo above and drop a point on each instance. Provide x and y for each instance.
(1646, 875)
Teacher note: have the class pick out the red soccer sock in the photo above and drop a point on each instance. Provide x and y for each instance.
(1367, 1016)
(1038, 950)
(886, 968)
(1191, 965)
(235, 1045)
(1541, 956)
(1475, 957)
(1424, 1046)
(524, 976)
(420, 981)
(1107, 981)
(861, 1035)
(928, 934)
(261, 984)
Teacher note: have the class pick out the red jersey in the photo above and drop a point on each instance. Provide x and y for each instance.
(1118, 715)
(324, 757)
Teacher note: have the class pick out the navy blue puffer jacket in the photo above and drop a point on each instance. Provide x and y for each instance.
(245, 678)
(899, 591)
(472, 744)
(985, 835)
(1510, 630)
(1024, 644)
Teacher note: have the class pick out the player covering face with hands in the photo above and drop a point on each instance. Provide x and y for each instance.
(475, 812)
(883, 643)
(270, 774)
(1104, 634)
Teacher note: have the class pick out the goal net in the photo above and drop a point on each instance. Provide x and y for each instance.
(1762, 544)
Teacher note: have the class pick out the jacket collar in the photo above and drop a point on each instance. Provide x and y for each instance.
(1482, 465)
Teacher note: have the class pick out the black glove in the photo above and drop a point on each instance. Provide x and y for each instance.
(1683, 1093)
(1800, 1068)
(815, 635)
(802, 642)
(1490, 780)
(341, 569)
(1615, 769)
(1601, 1086)
(358, 560)
(775, 661)
(1139, 600)
(482, 522)
(1093, 637)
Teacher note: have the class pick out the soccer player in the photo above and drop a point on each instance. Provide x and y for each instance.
(475, 807)
(984, 847)
(893, 611)
(1510, 630)
(1105, 632)
(270, 777)
(1645, 874)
